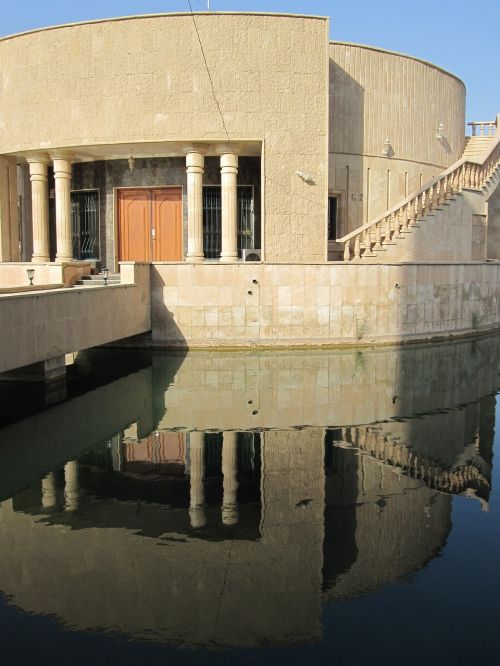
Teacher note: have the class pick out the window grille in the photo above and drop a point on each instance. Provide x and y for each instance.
(212, 225)
(85, 224)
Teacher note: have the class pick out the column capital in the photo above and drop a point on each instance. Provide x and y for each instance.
(199, 148)
(195, 162)
(38, 167)
(62, 165)
(61, 155)
(38, 158)
(229, 162)
(226, 148)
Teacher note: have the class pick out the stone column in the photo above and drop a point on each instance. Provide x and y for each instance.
(39, 208)
(228, 179)
(230, 473)
(197, 474)
(71, 485)
(62, 177)
(195, 162)
(49, 491)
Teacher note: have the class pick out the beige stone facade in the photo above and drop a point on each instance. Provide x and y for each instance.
(260, 138)
(377, 96)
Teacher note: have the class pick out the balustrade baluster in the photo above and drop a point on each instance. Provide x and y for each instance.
(419, 209)
(387, 233)
(368, 243)
(462, 177)
(378, 237)
(467, 175)
(357, 249)
(442, 193)
(404, 219)
(448, 193)
(411, 214)
(347, 251)
(434, 195)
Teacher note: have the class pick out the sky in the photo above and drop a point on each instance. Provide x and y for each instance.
(459, 36)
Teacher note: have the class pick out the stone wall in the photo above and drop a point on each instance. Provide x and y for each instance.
(47, 324)
(65, 87)
(218, 305)
(377, 95)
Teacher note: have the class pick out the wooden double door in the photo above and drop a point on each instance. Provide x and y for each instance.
(150, 224)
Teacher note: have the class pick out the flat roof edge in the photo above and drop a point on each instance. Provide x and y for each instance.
(398, 53)
(148, 16)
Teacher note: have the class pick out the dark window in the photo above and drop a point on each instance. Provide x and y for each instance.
(332, 218)
(85, 224)
(212, 220)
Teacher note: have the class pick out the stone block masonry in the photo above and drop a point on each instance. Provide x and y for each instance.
(282, 305)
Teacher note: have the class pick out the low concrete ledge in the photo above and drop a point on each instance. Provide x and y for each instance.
(14, 274)
(30, 288)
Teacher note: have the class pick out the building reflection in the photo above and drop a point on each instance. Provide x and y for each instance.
(239, 536)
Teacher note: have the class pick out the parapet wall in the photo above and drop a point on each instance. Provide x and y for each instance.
(244, 305)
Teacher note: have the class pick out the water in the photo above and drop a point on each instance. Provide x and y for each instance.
(321, 507)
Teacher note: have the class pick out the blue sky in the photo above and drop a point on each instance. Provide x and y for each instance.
(460, 36)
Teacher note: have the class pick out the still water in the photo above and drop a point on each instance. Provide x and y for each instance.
(262, 508)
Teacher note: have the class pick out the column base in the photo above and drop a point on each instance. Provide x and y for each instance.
(195, 258)
(229, 258)
(40, 259)
(63, 259)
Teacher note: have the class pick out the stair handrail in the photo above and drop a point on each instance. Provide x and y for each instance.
(469, 172)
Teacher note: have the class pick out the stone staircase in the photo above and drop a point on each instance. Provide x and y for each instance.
(98, 280)
(456, 193)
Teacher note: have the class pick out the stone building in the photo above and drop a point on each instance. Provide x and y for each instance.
(201, 143)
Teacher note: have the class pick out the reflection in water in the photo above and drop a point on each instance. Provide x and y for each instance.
(225, 499)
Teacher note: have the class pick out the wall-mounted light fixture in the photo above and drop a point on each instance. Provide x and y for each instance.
(440, 131)
(306, 177)
(387, 151)
(31, 275)
(131, 163)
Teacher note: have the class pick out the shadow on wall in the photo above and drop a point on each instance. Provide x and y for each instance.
(346, 147)
(164, 326)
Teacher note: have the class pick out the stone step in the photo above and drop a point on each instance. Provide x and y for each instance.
(98, 280)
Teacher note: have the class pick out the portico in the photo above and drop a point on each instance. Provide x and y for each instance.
(113, 173)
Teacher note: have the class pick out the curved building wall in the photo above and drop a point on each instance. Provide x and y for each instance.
(144, 79)
(377, 95)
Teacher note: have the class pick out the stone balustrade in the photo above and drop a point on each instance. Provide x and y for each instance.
(483, 127)
(383, 231)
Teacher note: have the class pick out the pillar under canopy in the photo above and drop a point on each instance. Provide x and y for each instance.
(197, 474)
(39, 208)
(62, 178)
(230, 483)
(229, 203)
(195, 162)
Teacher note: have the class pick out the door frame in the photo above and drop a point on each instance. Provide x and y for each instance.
(118, 189)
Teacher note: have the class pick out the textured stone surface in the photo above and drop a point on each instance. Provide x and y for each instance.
(66, 87)
(283, 304)
(377, 95)
(39, 326)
